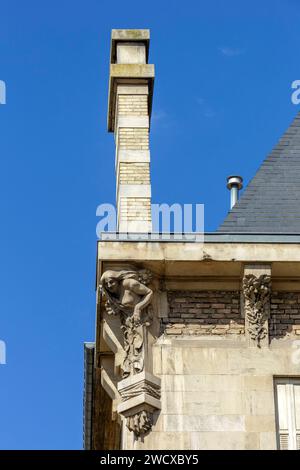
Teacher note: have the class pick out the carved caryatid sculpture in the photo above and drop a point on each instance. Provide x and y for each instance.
(128, 296)
(257, 304)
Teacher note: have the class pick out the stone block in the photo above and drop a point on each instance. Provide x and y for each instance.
(260, 403)
(259, 382)
(218, 402)
(208, 360)
(172, 402)
(208, 423)
(224, 441)
(267, 441)
(164, 441)
(172, 362)
(156, 354)
(260, 423)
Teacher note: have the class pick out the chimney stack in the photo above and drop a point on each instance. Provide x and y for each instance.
(129, 110)
(234, 184)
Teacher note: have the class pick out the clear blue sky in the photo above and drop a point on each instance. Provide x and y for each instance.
(222, 98)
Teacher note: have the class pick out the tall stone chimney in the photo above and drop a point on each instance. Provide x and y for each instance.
(129, 111)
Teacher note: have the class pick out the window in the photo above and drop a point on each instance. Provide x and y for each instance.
(287, 393)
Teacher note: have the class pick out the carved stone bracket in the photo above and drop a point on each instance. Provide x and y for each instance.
(140, 396)
(128, 296)
(256, 290)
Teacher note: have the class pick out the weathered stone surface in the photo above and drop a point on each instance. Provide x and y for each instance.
(195, 403)
(206, 383)
(267, 441)
(224, 441)
(263, 383)
(163, 440)
(260, 403)
(260, 423)
(211, 423)
(131, 53)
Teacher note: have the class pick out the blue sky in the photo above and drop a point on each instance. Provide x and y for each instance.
(222, 99)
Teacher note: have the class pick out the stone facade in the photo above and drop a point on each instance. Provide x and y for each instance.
(214, 396)
(215, 383)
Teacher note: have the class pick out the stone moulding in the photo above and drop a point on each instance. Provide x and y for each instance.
(140, 396)
(257, 291)
(128, 74)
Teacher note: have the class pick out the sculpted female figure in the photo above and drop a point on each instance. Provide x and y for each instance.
(128, 296)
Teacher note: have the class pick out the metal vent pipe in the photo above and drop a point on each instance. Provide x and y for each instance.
(234, 184)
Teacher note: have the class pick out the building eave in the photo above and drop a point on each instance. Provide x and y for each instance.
(89, 349)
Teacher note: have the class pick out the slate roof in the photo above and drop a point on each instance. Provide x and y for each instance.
(271, 201)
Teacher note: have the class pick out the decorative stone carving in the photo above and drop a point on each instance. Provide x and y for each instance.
(140, 383)
(140, 396)
(257, 304)
(128, 296)
(140, 387)
(140, 423)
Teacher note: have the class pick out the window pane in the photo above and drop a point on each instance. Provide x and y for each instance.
(282, 407)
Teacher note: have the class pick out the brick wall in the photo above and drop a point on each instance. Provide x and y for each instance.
(134, 173)
(204, 313)
(285, 315)
(134, 138)
(132, 105)
(135, 208)
(132, 157)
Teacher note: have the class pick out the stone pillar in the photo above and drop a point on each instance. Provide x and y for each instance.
(129, 111)
(256, 288)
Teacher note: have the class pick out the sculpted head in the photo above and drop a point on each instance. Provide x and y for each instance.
(110, 281)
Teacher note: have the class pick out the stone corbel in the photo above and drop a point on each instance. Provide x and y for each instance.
(140, 396)
(129, 297)
(256, 289)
